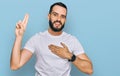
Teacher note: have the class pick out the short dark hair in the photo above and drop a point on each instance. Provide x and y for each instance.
(59, 4)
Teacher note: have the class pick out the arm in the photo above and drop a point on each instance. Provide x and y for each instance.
(82, 62)
(19, 57)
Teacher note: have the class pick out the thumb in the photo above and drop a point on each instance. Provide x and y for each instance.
(63, 45)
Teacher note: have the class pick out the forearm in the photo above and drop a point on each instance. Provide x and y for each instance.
(81, 61)
(16, 53)
(83, 65)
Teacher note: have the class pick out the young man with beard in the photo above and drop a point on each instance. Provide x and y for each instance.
(55, 50)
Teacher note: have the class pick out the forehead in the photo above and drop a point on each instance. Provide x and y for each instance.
(59, 9)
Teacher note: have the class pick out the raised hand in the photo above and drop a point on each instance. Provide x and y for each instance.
(21, 26)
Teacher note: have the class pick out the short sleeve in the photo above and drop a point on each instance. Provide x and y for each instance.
(30, 45)
(77, 47)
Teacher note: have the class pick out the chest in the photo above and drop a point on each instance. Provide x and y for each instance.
(43, 43)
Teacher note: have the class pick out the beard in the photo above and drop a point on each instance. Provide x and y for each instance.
(56, 29)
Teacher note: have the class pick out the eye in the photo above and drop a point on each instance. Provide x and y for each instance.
(54, 14)
(63, 16)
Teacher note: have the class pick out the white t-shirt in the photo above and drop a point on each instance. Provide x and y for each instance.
(49, 64)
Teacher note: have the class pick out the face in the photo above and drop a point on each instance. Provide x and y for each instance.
(57, 18)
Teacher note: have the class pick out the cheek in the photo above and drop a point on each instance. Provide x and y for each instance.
(63, 21)
(52, 19)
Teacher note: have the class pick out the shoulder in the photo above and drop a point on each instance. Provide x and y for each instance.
(69, 36)
(39, 34)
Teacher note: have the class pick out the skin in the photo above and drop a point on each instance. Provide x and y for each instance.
(20, 56)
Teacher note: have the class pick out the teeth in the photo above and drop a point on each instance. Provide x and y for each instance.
(57, 23)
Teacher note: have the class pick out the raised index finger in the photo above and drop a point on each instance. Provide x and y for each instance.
(25, 20)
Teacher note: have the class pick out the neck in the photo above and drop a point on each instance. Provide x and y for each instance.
(54, 33)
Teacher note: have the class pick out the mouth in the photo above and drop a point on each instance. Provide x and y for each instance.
(57, 25)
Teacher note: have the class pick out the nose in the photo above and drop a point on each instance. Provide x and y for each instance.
(59, 18)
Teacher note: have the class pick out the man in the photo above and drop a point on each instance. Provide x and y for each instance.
(55, 50)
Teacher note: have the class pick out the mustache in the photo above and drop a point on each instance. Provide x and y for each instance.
(58, 22)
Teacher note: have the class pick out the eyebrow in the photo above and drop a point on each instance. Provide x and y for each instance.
(57, 13)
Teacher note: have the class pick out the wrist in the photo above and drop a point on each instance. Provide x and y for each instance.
(69, 56)
(19, 38)
(72, 59)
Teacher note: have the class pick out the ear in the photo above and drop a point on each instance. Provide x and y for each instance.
(48, 16)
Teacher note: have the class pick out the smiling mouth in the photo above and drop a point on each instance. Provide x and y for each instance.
(57, 24)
